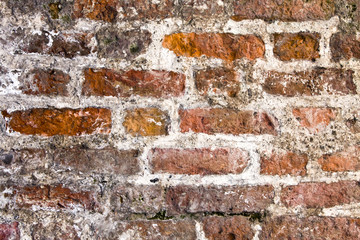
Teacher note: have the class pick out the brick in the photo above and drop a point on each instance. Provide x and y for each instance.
(56, 229)
(23, 160)
(289, 10)
(314, 119)
(9, 231)
(96, 9)
(309, 83)
(217, 81)
(235, 227)
(66, 45)
(224, 199)
(344, 46)
(65, 121)
(54, 197)
(318, 195)
(283, 164)
(227, 121)
(293, 227)
(106, 160)
(146, 122)
(114, 43)
(346, 160)
(353, 122)
(154, 83)
(201, 161)
(225, 46)
(50, 82)
(145, 199)
(195, 9)
(304, 46)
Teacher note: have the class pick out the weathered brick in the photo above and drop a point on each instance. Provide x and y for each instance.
(314, 119)
(235, 227)
(65, 121)
(45, 82)
(289, 227)
(225, 46)
(114, 43)
(9, 231)
(315, 195)
(224, 199)
(146, 122)
(96, 9)
(56, 229)
(308, 83)
(66, 45)
(283, 164)
(227, 121)
(198, 161)
(346, 160)
(288, 10)
(217, 81)
(146, 199)
(353, 123)
(194, 9)
(344, 46)
(23, 160)
(154, 83)
(288, 46)
(106, 160)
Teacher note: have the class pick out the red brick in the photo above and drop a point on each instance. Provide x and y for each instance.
(46, 82)
(198, 161)
(344, 47)
(346, 160)
(314, 119)
(56, 197)
(62, 44)
(65, 121)
(318, 195)
(225, 199)
(289, 10)
(9, 231)
(304, 46)
(316, 82)
(106, 82)
(217, 81)
(225, 46)
(289, 227)
(106, 160)
(96, 9)
(283, 164)
(227, 121)
(235, 227)
(146, 122)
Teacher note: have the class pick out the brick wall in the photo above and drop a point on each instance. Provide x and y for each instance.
(179, 119)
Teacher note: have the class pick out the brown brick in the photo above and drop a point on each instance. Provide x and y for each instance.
(288, 46)
(9, 231)
(217, 81)
(314, 119)
(56, 229)
(106, 160)
(45, 82)
(106, 82)
(346, 160)
(315, 195)
(96, 9)
(344, 47)
(288, 10)
(218, 45)
(23, 160)
(224, 199)
(235, 227)
(198, 161)
(227, 121)
(56, 197)
(195, 9)
(316, 82)
(65, 121)
(283, 164)
(62, 44)
(146, 122)
(353, 123)
(289, 227)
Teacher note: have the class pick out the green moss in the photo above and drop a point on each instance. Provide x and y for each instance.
(134, 48)
(54, 9)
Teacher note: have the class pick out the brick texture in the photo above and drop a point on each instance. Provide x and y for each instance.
(283, 164)
(346, 160)
(314, 119)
